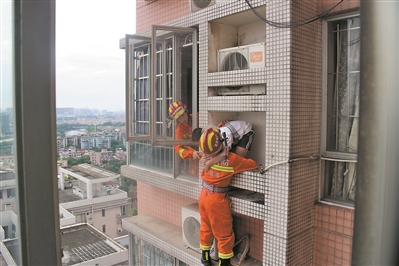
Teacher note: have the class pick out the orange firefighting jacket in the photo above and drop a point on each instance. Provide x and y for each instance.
(183, 131)
(220, 174)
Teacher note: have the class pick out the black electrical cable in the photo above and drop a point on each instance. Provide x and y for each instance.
(292, 24)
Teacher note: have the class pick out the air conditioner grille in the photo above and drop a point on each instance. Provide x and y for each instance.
(201, 3)
(235, 61)
(191, 228)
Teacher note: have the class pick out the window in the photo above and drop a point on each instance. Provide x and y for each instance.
(1, 194)
(160, 70)
(104, 231)
(144, 253)
(11, 192)
(102, 213)
(341, 108)
(125, 209)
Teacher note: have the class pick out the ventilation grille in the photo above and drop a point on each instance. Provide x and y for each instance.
(191, 226)
(234, 61)
(241, 58)
(197, 5)
(191, 229)
(201, 3)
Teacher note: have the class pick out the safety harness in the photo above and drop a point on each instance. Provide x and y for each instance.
(214, 189)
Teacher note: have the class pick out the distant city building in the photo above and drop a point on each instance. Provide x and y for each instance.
(7, 162)
(4, 124)
(65, 111)
(10, 112)
(120, 154)
(97, 141)
(8, 205)
(98, 157)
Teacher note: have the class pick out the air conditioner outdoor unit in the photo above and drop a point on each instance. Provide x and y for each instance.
(196, 5)
(191, 226)
(240, 58)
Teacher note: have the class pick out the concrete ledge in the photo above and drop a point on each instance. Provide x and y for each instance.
(163, 235)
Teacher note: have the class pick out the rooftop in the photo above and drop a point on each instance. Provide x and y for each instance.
(83, 242)
(7, 175)
(91, 172)
(67, 195)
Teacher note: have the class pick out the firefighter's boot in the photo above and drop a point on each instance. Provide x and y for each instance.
(206, 258)
(224, 262)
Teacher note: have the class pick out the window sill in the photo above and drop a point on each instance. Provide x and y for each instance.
(182, 186)
(350, 206)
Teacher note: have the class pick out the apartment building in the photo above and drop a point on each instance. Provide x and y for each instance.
(374, 242)
(7, 162)
(93, 198)
(8, 205)
(82, 243)
(98, 141)
(99, 157)
(291, 69)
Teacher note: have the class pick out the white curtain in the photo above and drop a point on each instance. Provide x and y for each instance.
(346, 107)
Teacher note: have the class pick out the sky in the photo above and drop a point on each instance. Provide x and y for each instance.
(90, 66)
(5, 55)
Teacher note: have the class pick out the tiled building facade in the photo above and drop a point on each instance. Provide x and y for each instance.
(294, 223)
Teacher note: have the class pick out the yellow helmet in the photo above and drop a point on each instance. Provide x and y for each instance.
(211, 141)
(176, 109)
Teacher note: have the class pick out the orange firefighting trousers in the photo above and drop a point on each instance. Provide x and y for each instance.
(216, 221)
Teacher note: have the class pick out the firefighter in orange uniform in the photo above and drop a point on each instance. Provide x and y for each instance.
(178, 111)
(214, 204)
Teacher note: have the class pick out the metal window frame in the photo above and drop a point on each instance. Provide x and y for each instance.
(129, 83)
(172, 30)
(35, 132)
(330, 155)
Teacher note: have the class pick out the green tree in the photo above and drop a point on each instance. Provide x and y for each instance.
(113, 168)
(92, 128)
(5, 148)
(115, 144)
(81, 160)
(119, 124)
(125, 183)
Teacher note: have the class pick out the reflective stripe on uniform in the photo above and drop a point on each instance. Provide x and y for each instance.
(220, 168)
(203, 247)
(225, 256)
(181, 153)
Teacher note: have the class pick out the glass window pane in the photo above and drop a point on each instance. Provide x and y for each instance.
(139, 91)
(159, 158)
(341, 180)
(354, 50)
(353, 95)
(343, 86)
(8, 178)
